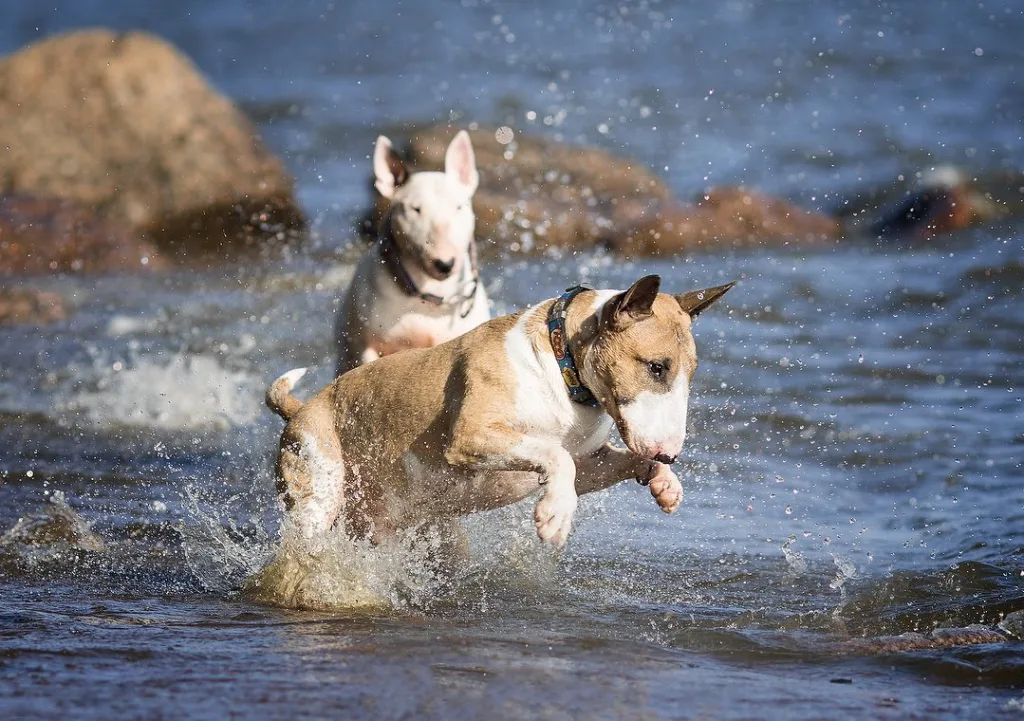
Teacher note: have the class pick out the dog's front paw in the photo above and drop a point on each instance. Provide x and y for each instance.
(553, 517)
(666, 488)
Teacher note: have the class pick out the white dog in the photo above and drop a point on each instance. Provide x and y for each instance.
(418, 285)
(520, 403)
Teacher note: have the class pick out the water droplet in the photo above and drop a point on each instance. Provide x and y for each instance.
(504, 135)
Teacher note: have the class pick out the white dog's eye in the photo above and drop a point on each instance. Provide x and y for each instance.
(415, 208)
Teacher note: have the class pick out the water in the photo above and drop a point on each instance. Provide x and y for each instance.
(854, 468)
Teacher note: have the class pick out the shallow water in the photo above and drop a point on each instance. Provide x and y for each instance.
(854, 464)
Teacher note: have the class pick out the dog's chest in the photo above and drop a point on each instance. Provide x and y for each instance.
(417, 330)
(542, 404)
(590, 431)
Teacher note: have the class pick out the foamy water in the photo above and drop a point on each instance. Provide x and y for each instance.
(182, 393)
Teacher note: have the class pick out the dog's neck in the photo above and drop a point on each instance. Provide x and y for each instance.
(582, 322)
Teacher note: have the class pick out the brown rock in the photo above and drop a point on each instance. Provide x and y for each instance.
(542, 167)
(124, 124)
(730, 216)
(537, 193)
(44, 235)
(23, 305)
(944, 200)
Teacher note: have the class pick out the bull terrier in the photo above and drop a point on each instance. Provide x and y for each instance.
(520, 403)
(418, 285)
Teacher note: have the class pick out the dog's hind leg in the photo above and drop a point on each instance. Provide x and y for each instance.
(610, 464)
(310, 478)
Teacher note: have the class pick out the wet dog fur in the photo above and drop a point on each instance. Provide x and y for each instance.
(484, 420)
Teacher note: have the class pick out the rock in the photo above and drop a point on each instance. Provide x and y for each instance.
(24, 305)
(913, 641)
(731, 216)
(125, 125)
(51, 533)
(44, 235)
(944, 200)
(536, 193)
(968, 635)
(1013, 625)
(567, 173)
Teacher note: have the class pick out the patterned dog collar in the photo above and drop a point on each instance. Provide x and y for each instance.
(560, 345)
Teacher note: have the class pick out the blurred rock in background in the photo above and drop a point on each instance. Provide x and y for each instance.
(124, 127)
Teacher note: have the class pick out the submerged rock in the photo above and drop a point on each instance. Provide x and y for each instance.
(46, 235)
(48, 535)
(942, 201)
(1013, 625)
(28, 306)
(938, 638)
(123, 124)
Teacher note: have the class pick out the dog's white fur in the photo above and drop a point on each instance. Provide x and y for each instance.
(485, 419)
(431, 223)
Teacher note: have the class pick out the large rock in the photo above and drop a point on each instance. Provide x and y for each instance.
(536, 193)
(124, 124)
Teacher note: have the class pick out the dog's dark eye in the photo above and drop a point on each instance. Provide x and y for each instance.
(658, 369)
(415, 209)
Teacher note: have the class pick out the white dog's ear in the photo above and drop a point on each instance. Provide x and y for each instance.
(388, 169)
(460, 162)
(697, 300)
(627, 308)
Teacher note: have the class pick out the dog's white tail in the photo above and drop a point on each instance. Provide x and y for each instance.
(279, 395)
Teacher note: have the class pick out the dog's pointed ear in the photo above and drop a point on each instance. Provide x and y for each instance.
(628, 307)
(697, 300)
(460, 162)
(388, 169)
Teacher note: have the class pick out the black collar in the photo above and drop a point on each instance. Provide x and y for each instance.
(391, 257)
(560, 345)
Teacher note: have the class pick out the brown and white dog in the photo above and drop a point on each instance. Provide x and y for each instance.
(486, 419)
(418, 285)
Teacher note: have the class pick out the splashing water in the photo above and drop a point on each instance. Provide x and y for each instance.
(49, 533)
(845, 571)
(188, 392)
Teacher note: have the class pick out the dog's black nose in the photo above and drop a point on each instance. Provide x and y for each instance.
(444, 266)
(665, 458)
